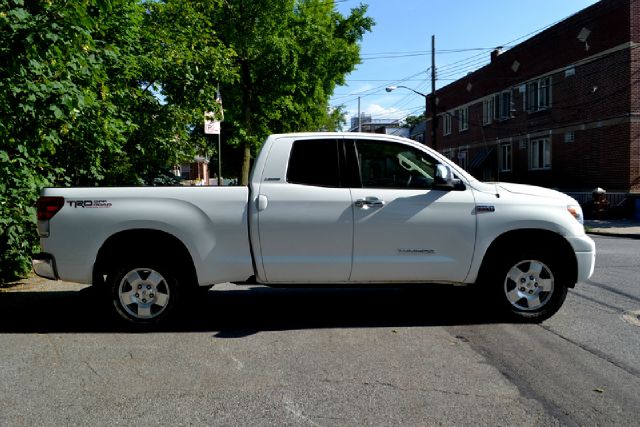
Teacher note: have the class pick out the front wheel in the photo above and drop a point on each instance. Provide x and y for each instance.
(531, 287)
(142, 293)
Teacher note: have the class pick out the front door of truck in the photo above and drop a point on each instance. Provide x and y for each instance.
(404, 229)
(305, 215)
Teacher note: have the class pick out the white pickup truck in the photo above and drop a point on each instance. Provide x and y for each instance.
(321, 209)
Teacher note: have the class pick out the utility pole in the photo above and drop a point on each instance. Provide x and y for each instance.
(219, 162)
(434, 115)
(359, 117)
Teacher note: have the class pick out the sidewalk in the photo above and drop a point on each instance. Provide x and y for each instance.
(613, 227)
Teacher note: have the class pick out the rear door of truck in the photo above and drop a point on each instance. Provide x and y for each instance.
(305, 212)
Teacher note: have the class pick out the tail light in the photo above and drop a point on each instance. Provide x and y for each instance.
(48, 206)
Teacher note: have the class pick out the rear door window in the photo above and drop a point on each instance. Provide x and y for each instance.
(315, 162)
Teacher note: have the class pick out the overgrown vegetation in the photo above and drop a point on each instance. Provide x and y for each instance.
(112, 92)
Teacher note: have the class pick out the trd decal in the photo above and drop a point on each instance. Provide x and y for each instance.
(89, 203)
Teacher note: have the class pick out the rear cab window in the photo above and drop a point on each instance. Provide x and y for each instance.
(315, 162)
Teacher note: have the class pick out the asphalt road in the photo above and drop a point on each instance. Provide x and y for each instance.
(256, 356)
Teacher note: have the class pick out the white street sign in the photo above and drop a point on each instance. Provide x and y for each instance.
(211, 126)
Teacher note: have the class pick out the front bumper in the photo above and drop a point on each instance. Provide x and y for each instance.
(44, 265)
(585, 249)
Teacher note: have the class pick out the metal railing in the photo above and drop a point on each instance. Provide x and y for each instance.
(583, 197)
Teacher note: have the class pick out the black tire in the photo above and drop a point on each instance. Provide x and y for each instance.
(530, 286)
(144, 292)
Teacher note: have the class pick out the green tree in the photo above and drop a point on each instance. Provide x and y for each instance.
(290, 56)
(190, 63)
(112, 92)
(51, 86)
(411, 121)
(78, 103)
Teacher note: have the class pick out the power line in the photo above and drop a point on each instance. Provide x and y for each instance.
(372, 91)
(448, 71)
(392, 55)
(427, 52)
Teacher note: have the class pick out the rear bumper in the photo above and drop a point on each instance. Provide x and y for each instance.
(44, 265)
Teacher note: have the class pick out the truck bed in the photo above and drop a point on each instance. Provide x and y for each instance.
(94, 214)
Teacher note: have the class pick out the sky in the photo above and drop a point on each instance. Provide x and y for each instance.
(398, 49)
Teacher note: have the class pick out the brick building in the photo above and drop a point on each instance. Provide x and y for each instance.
(561, 109)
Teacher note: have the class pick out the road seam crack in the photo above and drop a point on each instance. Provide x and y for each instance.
(628, 369)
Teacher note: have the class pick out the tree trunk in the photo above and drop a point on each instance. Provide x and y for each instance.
(246, 164)
(247, 99)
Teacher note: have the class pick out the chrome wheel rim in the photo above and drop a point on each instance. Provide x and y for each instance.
(144, 293)
(529, 285)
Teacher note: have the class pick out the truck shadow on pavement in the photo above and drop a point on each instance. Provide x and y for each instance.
(245, 311)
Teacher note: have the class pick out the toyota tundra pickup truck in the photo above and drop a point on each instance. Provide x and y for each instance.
(320, 209)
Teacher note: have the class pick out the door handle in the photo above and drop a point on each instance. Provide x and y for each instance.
(369, 202)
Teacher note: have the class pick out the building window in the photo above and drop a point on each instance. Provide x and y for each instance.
(463, 119)
(540, 154)
(505, 107)
(446, 124)
(545, 93)
(538, 95)
(462, 159)
(488, 110)
(569, 136)
(505, 157)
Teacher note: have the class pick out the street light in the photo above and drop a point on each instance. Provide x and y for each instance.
(426, 108)
(392, 88)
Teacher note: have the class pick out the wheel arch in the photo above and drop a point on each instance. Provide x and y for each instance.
(555, 243)
(121, 246)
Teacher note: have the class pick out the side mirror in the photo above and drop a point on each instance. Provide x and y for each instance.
(444, 179)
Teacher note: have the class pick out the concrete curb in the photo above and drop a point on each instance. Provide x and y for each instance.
(611, 234)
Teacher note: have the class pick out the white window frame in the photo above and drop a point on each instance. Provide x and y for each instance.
(463, 119)
(446, 124)
(505, 105)
(569, 137)
(463, 159)
(506, 157)
(540, 154)
(488, 110)
(544, 97)
(538, 95)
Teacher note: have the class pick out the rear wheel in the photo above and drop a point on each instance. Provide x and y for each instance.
(532, 286)
(144, 293)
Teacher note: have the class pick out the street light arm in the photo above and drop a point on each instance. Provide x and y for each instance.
(426, 108)
(392, 88)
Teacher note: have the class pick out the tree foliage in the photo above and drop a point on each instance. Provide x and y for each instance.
(51, 81)
(411, 121)
(79, 104)
(290, 55)
(112, 92)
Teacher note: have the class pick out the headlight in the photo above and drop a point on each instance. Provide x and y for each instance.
(576, 212)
